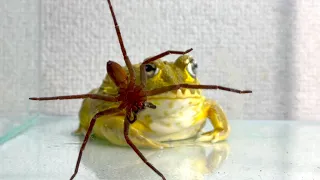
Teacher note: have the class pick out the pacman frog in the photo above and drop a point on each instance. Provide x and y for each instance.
(180, 114)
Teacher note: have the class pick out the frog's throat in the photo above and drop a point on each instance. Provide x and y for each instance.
(178, 94)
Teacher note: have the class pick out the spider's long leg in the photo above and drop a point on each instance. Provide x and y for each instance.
(143, 77)
(86, 138)
(166, 53)
(191, 86)
(138, 152)
(123, 49)
(80, 96)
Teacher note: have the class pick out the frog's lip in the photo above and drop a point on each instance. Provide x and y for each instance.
(178, 94)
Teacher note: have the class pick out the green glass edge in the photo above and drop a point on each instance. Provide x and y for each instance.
(30, 121)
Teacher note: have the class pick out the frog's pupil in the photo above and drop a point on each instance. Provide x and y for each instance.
(194, 67)
(149, 68)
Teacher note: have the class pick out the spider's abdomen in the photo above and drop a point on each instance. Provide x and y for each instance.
(117, 74)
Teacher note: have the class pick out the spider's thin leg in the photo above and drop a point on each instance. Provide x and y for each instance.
(136, 150)
(191, 86)
(86, 138)
(163, 54)
(143, 77)
(79, 96)
(123, 49)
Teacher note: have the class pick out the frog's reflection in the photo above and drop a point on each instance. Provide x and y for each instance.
(183, 162)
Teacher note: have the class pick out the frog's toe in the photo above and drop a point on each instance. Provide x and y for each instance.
(142, 141)
(137, 138)
(213, 136)
(79, 132)
(154, 144)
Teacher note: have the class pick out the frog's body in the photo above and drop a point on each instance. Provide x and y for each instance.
(179, 114)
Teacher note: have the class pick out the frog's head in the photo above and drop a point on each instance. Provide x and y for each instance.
(162, 73)
(176, 109)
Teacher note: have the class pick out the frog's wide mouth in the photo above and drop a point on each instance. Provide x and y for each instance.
(178, 94)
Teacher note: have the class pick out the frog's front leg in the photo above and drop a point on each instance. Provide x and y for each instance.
(219, 122)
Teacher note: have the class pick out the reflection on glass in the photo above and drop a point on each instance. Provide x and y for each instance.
(183, 162)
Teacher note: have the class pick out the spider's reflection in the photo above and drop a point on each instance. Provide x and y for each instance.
(184, 162)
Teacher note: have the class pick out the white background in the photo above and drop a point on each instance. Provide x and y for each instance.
(271, 47)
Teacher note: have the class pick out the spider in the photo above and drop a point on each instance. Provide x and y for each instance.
(132, 97)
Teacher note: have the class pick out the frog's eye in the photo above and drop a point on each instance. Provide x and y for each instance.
(151, 70)
(192, 68)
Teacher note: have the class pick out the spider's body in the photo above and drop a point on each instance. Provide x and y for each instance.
(130, 98)
(130, 95)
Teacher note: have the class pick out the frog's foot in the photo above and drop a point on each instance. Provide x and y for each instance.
(214, 136)
(138, 139)
(80, 131)
(142, 141)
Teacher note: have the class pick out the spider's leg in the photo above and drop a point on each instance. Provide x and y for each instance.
(191, 86)
(79, 96)
(128, 117)
(143, 77)
(123, 49)
(136, 150)
(86, 138)
(163, 54)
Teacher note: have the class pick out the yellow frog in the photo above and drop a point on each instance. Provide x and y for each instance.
(180, 114)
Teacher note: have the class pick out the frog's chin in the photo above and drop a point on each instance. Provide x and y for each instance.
(178, 94)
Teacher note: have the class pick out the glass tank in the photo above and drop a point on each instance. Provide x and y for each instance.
(59, 47)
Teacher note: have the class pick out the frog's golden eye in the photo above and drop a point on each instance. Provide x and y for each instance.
(151, 70)
(192, 68)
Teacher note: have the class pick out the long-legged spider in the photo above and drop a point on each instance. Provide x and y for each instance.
(132, 97)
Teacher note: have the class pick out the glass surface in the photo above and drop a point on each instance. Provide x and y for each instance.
(19, 65)
(282, 150)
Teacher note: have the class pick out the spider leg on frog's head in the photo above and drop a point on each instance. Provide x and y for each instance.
(143, 76)
(191, 86)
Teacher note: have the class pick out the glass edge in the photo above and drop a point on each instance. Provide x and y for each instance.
(28, 122)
